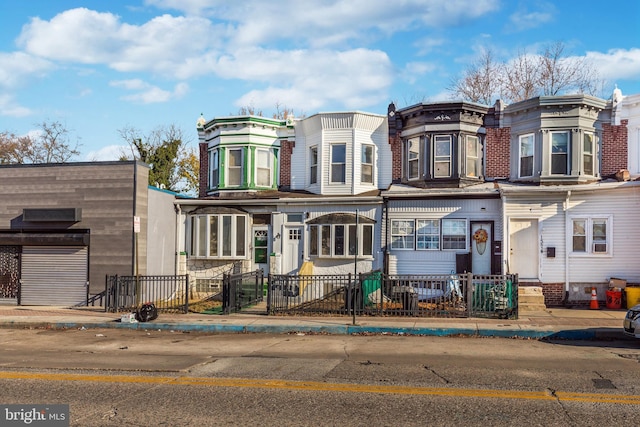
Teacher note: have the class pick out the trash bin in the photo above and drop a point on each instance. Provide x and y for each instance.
(633, 296)
(349, 299)
(614, 299)
(410, 303)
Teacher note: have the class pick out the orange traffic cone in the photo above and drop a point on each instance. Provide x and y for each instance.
(594, 300)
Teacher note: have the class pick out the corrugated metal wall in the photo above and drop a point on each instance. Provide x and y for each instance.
(53, 275)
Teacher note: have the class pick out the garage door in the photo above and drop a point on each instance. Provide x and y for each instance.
(54, 275)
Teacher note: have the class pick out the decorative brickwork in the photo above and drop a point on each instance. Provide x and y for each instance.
(396, 155)
(204, 169)
(614, 148)
(286, 150)
(498, 152)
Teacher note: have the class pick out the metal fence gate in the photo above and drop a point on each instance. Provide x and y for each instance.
(241, 290)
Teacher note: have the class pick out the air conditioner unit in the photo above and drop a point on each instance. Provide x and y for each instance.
(599, 248)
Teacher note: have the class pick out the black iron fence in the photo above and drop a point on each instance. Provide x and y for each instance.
(241, 290)
(127, 293)
(450, 295)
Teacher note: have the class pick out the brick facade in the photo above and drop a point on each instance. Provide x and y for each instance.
(498, 152)
(396, 158)
(286, 150)
(204, 169)
(614, 148)
(553, 294)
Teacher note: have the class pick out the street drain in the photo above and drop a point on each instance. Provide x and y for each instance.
(601, 383)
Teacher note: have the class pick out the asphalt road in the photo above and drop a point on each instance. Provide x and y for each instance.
(143, 378)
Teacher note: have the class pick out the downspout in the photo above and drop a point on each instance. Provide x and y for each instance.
(385, 220)
(567, 275)
(506, 242)
(178, 211)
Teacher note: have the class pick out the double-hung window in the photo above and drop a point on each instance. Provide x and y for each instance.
(367, 164)
(313, 165)
(559, 152)
(413, 158)
(428, 234)
(340, 240)
(472, 152)
(218, 236)
(402, 234)
(263, 167)
(588, 148)
(591, 235)
(234, 166)
(338, 163)
(454, 234)
(214, 171)
(526, 155)
(442, 164)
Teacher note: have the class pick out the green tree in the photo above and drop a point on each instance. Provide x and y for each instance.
(174, 165)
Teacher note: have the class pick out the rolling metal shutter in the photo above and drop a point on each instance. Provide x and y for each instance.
(54, 275)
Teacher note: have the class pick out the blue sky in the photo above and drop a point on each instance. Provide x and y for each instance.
(100, 66)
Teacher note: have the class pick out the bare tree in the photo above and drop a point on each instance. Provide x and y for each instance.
(549, 73)
(520, 78)
(478, 82)
(49, 144)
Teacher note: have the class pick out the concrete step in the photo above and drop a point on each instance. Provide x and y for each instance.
(531, 299)
(525, 308)
(529, 290)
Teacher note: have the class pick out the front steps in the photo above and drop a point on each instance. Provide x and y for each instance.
(530, 298)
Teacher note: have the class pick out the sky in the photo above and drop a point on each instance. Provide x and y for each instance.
(99, 66)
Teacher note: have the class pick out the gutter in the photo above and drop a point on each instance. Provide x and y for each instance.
(354, 200)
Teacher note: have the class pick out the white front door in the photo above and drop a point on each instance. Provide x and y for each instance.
(481, 237)
(260, 248)
(523, 248)
(292, 250)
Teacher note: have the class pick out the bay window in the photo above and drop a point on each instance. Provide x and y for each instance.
(367, 164)
(218, 236)
(588, 148)
(340, 240)
(338, 163)
(413, 158)
(473, 157)
(214, 169)
(442, 166)
(313, 162)
(263, 168)
(234, 166)
(559, 152)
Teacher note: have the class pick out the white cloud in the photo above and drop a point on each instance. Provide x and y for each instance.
(415, 70)
(616, 64)
(524, 19)
(9, 108)
(17, 67)
(89, 37)
(110, 152)
(147, 93)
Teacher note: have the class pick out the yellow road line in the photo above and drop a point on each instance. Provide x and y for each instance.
(322, 386)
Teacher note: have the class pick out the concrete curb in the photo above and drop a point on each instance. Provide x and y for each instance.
(606, 334)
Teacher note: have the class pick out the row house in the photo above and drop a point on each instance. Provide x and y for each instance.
(544, 188)
(287, 196)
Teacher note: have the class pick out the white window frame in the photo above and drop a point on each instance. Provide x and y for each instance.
(313, 165)
(424, 239)
(335, 164)
(229, 167)
(567, 154)
(442, 159)
(259, 167)
(201, 236)
(522, 139)
(445, 243)
(319, 250)
(411, 160)
(591, 242)
(366, 147)
(403, 230)
(214, 168)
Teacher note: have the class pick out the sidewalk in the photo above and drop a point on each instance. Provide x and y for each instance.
(560, 323)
